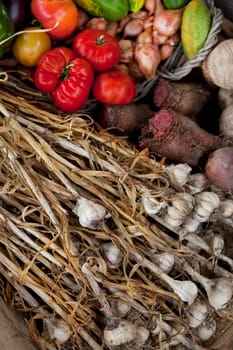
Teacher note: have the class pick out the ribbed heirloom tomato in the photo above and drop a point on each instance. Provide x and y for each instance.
(61, 15)
(65, 77)
(98, 47)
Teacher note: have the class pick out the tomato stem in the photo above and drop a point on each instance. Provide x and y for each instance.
(100, 40)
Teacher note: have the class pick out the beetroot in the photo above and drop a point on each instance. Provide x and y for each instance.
(219, 168)
(177, 137)
(124, 119)
(184, 98)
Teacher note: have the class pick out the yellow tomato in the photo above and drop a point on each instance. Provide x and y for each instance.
(28, 48)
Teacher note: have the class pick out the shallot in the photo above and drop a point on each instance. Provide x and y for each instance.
(168, 22)
(148, 59)
(127, 50)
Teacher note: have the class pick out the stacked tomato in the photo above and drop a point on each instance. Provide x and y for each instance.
(70, 74)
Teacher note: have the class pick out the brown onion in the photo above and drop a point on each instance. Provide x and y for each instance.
(96, 23)
(145, 37)
(159, 39)
(159, 7)
(134, 71)
(148, 59)
(148, 23)
(112, 28)
(82, 19)
(168, 22)
(133, 28)
(150, 6)
(127, 50)
(139, 15)
(166, 51)
(122, 23)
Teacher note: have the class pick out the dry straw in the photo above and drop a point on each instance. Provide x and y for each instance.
(55, 170)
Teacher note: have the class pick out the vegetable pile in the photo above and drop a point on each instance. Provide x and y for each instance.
(116, 223)
(130, 37)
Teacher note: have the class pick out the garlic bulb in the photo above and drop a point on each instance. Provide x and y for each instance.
(58, 330)
(152, 206)
(196, 313)
(181, 208)
(186, 290)
(197, 182)
(219, 290)
(112, 255)
(206, 330)
(180, 172)
(206, 203)
(121, 308)
(165, 261)
(142, 335)
(226, 208)
(124, 333)
(90, 214)
(217, 245)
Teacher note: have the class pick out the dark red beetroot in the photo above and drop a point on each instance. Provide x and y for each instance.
(184, 98)
(124, 119)
(177, 137)
(219, 168)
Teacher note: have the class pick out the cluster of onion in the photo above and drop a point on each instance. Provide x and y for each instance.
(146, 37)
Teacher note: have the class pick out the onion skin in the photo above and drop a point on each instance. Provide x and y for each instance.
(97, 23)
(124, 120)
(148, 59)
(181, 97)
(177, 137)
(168, 22)
(219, 168)
(127, 50)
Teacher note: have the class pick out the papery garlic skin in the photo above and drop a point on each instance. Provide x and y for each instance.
(217, 245)
(181, 208)
(206, 203)
(180, 172)
(206, 330)
(197, 183)
(142, 335)
(90, 214)
(58, 330)
(226, 208)
(152, 206)
(196, 313)
(124, 333)
(165, 261)
(121, 308)
(112, 255)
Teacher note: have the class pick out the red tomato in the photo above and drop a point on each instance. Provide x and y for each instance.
(114, 87)
(66, 78)
(98, 47)
(57, 14)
